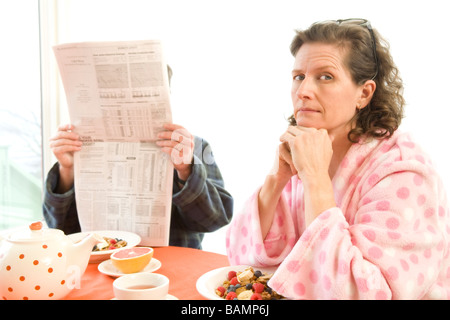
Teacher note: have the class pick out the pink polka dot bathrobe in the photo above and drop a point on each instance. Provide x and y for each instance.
(387, 238)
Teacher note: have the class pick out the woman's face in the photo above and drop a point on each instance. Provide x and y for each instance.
(323, 92)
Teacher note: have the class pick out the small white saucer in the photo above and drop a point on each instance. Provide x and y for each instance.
(106, 267)
(168, 297)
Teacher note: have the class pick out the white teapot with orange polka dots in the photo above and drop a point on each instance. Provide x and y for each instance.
(42, 263)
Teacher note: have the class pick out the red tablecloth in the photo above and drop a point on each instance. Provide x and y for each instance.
(183, 266)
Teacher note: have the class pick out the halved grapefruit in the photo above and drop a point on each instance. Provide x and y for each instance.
(132, 260)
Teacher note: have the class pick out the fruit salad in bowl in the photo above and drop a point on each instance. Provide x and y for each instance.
(237, 283)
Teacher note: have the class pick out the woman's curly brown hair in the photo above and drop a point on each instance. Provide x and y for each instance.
(384, 113)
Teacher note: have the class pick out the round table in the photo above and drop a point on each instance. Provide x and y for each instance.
(183, 266)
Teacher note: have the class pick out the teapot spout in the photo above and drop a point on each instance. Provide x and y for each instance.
(81, 251)
(88, 243)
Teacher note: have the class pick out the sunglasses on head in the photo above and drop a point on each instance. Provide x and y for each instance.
(363, 23)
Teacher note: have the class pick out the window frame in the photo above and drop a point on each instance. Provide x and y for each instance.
(51, 111)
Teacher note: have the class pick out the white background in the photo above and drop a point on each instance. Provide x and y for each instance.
(232, 64)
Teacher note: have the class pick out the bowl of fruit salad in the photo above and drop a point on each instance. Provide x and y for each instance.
(237, 283)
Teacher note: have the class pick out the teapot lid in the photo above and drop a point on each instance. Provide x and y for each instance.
(34, 232)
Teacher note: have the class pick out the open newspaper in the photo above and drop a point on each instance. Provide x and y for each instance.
(118, 98)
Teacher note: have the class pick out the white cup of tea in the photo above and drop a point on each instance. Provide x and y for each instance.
(141, 286)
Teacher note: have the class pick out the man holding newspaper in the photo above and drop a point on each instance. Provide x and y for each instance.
(200, 203)
(116, 151)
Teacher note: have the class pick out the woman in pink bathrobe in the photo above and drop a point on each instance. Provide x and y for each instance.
(353, 208)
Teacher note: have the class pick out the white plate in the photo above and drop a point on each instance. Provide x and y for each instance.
(131, 238)
(106, 267)
(208, 282)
